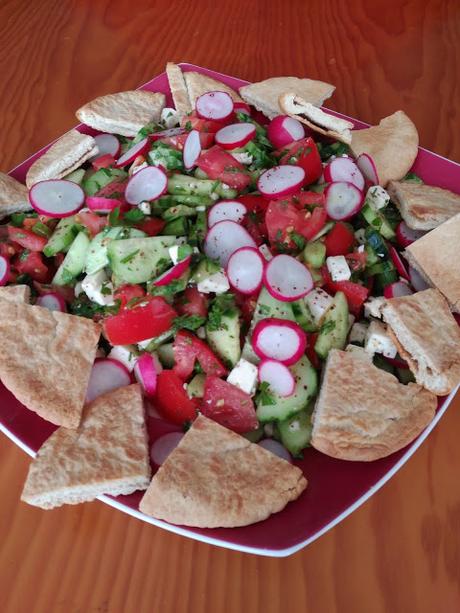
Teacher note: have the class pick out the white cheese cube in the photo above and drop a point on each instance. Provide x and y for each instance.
(377, 197)
(169, 117)
(378, 340)
(217, 283)
(243, 157)
(97, 286)
(358, 332)
(338, 267)
(265, 251)
(319, 302)
(124, 354)
(244, 376)
(372, 308)
(145, 207)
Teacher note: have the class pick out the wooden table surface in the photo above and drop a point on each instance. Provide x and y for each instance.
(400, 552)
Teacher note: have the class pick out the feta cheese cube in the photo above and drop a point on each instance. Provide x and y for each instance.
(169, 117)
(377, 197)
(243, 157)
(98, 288)
(372, 307)
(145, 207)
(217, 283)
(378, 340)
(124, 354)
(244, 375)
(358, 332)
(319, 302)
(265, 251)
(338, 267)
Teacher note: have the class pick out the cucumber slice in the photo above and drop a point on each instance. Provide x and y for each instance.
(224, 191)
(76, 176)
(199, 229)
(295, 432)
(204, 270)
(254, 436)
(226, 340)
(97, 255)
(74, 262)
(323, 231)
(181, 210)
(183, 185)
(200, 174)
(195, 389)
(178, 227)
(102, 177)
(283, 408)
(166, 355)
(334, 329)
(314, 254)
(137, 260)
(62, 237)
(378, 221)
(376, 242)
(303, 316)
(195, 200)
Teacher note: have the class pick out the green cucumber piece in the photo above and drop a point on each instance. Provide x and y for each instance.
(205, 269)
(94, 182)
(97, 255)
(254, 436)
(62, 237)
(199, 229)
(200, 174)
(195, 200)
(378, 221)
(76, 176)
(314, 254)
(295, 432)
(375, 241)
(303, 316)
(225, 341)
(166, 156)
(181, 210)
(166, 355)
(334, 329)
(195, 389)
(137, 260)
(74, 261)
(225, 191)
(177, 227)
(183, 185)
(324, 230)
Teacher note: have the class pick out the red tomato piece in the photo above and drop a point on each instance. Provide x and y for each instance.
(340, 240)
(355, 294)
(27, 239)
(218, 164)
(254, 222)
(103, 161)
(303, 199)
(151, 226)
(149, 319)
(172, 400)
(178, 142)
(192, 302)
(228, 405)
(356, 261)
(8, 249)
(281, 218)
(127, 293)
(311, 223)
(188, 348)
(303, 153)
(116, 189)
(32, 264)
(193, 122)
(93, 222)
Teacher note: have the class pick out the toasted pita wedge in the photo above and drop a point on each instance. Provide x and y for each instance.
(13, 196)
(216, 478)
(178, 89)
(363, 413)
(15, 293)
(122, 113)
(428, 337)
(392, 145)
(65, 155)
(435, 256)
(199, 84)
(107, 454)
(423, 207)
(315, 118)
(46, 359)
(265, 95)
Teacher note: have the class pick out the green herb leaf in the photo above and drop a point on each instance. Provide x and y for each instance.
(297, 239)
(129, 257)
(114, 217)
(188, 322)
(265, 396)
(17, 219)
(134, 215)
(223, 305)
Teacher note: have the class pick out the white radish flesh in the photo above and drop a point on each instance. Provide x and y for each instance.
(163, 446)
(416, 280)
(106, 375)
(278, 376)
(167, 133)
(229, 210)
(287, 279)
(343, 200)
(56, 198)
(276, 448)
(224, 238)
(214, 105)
(245, 270)
(279, 339)
(344, 169)
(192, 149)
(397, 289)
(281, 181)
(52, 301)
(368, 168)
(235, 135)
(147, 184)
(107, 144)
(4, 270)
(146, 371)
(283, 130)
(129, 156)
(406, 236)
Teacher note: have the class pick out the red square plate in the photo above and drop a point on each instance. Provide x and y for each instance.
(335, 488)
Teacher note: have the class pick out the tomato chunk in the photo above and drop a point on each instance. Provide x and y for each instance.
(355, 294)
(103, 161)
(254, 221)
(172, 400)
(151, 226)
(178, 142)
(303, 153)
(127, 293)
(26, 238)
(192, 302)
(193, 122)
(189, 348)
(311, 223)
(93, 222)
(32, 263)
(218, 164)
(340, 240)
(228, 405)
(282, 218)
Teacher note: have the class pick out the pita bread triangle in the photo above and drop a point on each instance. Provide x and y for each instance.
(108, 454)
(15, 293)
(199, 84)
(216, 478)
(14, 196)
(178, 89)
(46, 359)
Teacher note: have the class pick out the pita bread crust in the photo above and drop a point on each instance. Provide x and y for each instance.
(15, 293)
(435, 256)
(363, 413)
(64, 156)
(393, 146)
(107, 454)
(46, 359)
(264, 95)
(199, 84)
(216, 478)
(122, 113)
(423, 207)
(178, 89)
(429, 336)
(14, 197)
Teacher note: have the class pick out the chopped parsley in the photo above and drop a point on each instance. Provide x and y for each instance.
(327, 327)
(223, 305)
(134, 215)
(129, 257)
(188, 322)
(265, 396)
(297, 239)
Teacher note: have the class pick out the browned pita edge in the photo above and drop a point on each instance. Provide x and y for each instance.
(315, 118)
(14, 196)
(178, 89)
(363, 413)
(435, 256)
(392, 145)
(199, 84)
(122, 113)
(107, 454)
(15, 293)
(65, 155)
(216, 478)
(46, 359)
(429, 338)
(423, 207)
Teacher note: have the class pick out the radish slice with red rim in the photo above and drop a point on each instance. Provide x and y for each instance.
(397, 289)
(226, 210)
(278, 376)
(398, 262)
(167, 133)
(279, 181)
(192, 149)
(283, 130)
(417, 281)
(287, 279)
(224, 238)
(242, 107)
(245, 270)
(129, 156)
(279, 339)
(173, 273)
(4, 270)
(164, 445)
(368, 168)
(214, 105)
(146, 371)
(235, 135)
(56, 197)
(276, 448)
(107, 144)
(406, 236)
(147, 184)
(107, 374)
(52, 301)
(344, 169)
(102, 205)
(343, 200)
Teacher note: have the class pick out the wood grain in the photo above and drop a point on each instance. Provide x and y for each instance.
(401, 551)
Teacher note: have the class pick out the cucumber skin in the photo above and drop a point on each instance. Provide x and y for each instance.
(75, 260)
(337, 337)
(296, 440)
(62, 237)
(314, 254)
(226, 340)
(101, 178)
(143, 266)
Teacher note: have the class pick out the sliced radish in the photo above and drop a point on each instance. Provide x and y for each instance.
(279, 339)
(167, 133)
(224, 238)
(56, 197)
(417, 281)
(147, 184)
(4, 270)
(214, 105)
(173, 273)
(283, 130)
(368, 168)
(343, 200)
(398, 262)
(235, 135)
(146, 371)
(245, 270)
(107, 374)
(102, 205)
(242, 107)
(278, 376)
(192, 149)
(281, 181)
(397, 289)
(344, 169)
(276, 448)
(226, 210)
(164, 445)
(129, 156)
(287, 279)
(406, 236)
(52, 301)
(107, 144)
